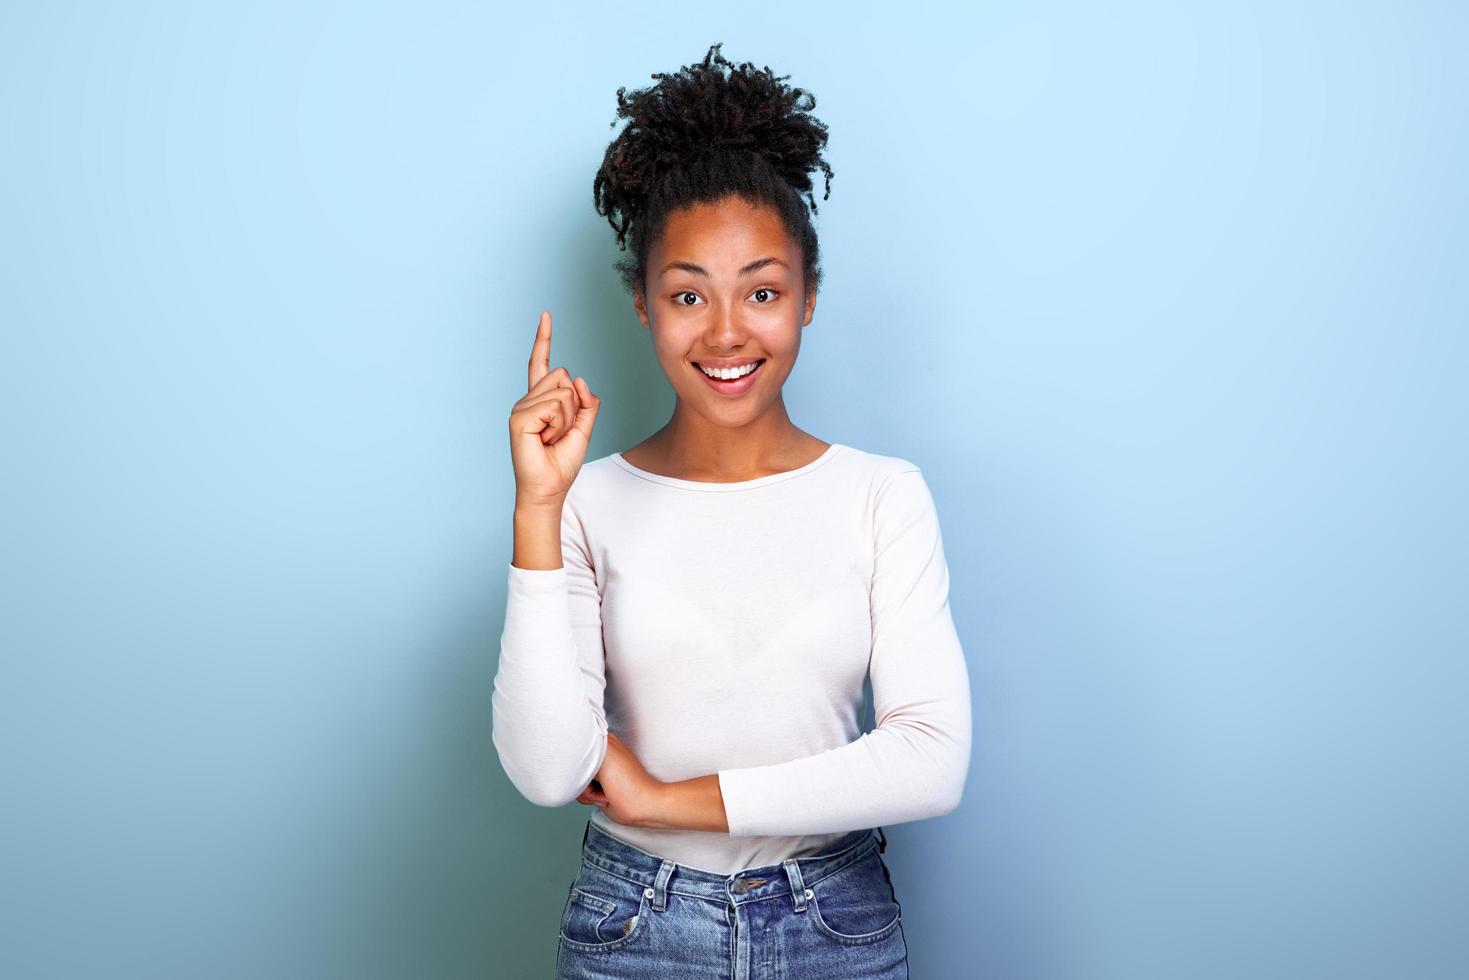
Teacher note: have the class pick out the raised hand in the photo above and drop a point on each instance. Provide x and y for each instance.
(550, 426)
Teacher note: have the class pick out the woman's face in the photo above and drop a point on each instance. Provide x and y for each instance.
(724, 288)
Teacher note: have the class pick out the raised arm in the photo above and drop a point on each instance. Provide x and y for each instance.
(913, 765)
(548, 723)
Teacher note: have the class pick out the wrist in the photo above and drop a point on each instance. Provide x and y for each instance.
(529, 508)
(658, 807)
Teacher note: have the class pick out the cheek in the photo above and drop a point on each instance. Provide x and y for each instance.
(671, 350)
(780, 337)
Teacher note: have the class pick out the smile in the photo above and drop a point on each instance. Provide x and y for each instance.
(731, 381)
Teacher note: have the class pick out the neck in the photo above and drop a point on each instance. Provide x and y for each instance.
(690, 444)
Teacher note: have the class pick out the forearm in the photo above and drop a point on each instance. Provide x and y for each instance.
(894, 774)
(689, 804)
(885, 777)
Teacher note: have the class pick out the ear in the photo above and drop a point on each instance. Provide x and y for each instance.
(639, 303)
(810, 307)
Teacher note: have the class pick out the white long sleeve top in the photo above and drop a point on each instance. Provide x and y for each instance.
(727, 628)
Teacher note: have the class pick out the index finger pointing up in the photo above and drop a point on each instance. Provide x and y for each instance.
(540, 351)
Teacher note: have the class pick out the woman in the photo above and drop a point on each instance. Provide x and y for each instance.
(690, 621)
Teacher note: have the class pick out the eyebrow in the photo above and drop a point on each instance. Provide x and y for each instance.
(745, 270)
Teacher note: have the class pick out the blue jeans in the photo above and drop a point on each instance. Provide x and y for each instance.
(630, 914)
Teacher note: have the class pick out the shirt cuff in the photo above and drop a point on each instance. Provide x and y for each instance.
(741, 810)
(536, 581)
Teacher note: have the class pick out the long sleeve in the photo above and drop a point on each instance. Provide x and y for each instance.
(549, 726)
(914, 764)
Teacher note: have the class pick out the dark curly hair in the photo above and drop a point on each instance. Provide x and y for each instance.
(702, 134)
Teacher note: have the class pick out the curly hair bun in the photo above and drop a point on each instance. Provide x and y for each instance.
(707, 130)
(712, 106)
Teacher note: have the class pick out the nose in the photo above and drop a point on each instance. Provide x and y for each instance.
(725, 331)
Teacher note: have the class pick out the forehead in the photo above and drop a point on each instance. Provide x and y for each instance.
(722, 235)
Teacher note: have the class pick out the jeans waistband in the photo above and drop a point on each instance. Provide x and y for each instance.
(659, 875)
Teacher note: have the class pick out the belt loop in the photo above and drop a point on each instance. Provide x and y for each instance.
(798, 887)
(882, 841)
(585, 830)
(660, 887)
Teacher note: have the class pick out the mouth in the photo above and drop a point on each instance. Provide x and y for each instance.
(733, 386)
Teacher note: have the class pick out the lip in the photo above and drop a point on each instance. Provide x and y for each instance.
(732, 388)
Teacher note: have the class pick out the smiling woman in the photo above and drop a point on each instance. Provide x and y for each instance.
(704, 189)
(690, 621)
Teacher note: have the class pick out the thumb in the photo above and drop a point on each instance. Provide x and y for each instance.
(586, 415)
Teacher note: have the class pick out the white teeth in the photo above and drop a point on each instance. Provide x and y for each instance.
(729, 374)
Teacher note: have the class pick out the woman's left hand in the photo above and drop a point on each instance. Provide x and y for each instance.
(627, 794)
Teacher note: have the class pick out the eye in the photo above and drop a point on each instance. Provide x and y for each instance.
(686, 292)
(769, 292)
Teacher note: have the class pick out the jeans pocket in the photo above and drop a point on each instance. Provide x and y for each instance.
(857, 904)
(603, 911)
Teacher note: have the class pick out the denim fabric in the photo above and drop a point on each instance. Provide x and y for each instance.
(630, 914)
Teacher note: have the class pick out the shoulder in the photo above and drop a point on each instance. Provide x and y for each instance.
(877, 472)
(898, 499)
(596, 478)
(591, 502)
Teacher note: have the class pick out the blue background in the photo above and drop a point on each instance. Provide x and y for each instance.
(1168, 301)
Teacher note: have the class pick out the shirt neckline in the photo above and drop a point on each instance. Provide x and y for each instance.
(707, 485)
